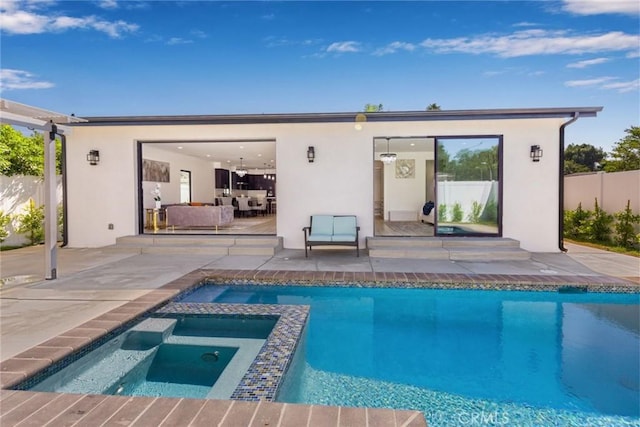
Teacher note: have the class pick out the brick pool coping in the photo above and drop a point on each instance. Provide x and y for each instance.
(25, 405)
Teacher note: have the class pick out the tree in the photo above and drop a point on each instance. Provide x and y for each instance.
(625, 235)
(373, 108)
(5, 219)
(572, 167)
(433, 107)
(625, 155)
(24, 155)
(32, 223)
(582, 158)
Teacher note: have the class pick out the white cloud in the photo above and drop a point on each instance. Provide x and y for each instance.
(607, 83)
(622, 87)
(273, 41)
(597, 7)
(535, 42)
(588, 82)
(268, 17)
(114, 29)
(199, 34)
(344, 47)
(24, 18)
(526, 24)
(587, 63)
(21, 22)
(20, 79)
(394, 47)
(173, 41)
(108, 4)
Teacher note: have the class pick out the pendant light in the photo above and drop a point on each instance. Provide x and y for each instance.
(388, 157)
(241, 171)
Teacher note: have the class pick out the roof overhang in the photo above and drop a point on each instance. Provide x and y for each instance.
(17, 114)
(385, 116)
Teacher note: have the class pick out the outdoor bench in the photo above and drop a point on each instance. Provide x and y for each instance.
(341, 230)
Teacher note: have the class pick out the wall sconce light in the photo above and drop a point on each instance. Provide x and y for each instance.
(311, 154)
(536, 153)
(93, 157)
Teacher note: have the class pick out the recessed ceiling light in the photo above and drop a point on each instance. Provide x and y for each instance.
(242, 147)
(180, 148)
(259, 155)
(228, 161)
(413, 144)
(208, 155)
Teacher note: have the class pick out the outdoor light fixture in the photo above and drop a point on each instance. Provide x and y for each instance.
(388, 157)
(536, 153)
(311, 154)
(93, 157)
(241, 171)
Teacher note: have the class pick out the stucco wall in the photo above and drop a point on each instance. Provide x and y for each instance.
(340, 181)
(15, 192)
(611, 189)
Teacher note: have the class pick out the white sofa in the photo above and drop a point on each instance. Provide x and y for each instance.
(199, 216)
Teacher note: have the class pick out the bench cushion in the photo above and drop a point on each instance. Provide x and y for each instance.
(322, 225)
(319, 238)
(344, 225)
(344, 238)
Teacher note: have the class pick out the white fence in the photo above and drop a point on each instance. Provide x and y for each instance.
(15, 192)
(611, 189)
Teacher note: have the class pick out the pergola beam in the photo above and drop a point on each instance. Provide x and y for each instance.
(16, 114)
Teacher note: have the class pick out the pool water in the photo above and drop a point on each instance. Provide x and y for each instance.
(181, 356)
(531, 358)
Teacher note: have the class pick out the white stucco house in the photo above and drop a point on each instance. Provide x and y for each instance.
(107, 200)
(489, 173)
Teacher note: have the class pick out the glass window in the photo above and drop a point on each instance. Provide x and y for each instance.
(185, 186)
(468, 185)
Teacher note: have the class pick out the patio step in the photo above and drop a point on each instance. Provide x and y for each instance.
(453, 249)
(201, 245)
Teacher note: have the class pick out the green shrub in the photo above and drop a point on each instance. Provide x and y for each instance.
(5, 219)
(476, 212)
(576, 222)
(625, 234)
(32, 223)
(490, 213)
(599, 227)
(442, 213)
(457, 213)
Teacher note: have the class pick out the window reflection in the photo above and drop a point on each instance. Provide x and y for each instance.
(468, 190)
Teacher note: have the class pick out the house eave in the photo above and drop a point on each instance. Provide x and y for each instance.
(344, 117)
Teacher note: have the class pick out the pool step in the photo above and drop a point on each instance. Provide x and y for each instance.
(453, 249)
(200, 245)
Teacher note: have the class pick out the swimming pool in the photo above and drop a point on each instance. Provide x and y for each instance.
(170, 356)
(503, 358)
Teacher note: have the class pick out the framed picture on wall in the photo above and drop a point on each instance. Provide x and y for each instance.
(155, 171)
(405, 168)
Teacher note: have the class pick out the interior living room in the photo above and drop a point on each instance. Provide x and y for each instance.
(208, 187)
(404, 181)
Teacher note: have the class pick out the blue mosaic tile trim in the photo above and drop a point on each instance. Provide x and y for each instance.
(265, 375)
(478, 286)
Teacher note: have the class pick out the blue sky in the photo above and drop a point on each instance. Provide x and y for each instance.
(189, 57)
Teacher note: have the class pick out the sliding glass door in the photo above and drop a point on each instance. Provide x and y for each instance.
(468, 190)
